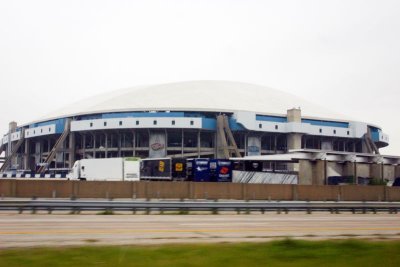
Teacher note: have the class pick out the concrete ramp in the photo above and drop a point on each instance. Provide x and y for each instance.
(264, 178)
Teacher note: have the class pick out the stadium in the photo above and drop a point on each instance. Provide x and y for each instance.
(197, 119)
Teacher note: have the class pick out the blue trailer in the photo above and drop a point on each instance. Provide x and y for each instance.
(201, 170)
(221, 170)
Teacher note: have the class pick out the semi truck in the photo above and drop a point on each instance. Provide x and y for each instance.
(107, 169)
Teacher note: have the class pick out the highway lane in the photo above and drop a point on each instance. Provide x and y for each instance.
(24, 230)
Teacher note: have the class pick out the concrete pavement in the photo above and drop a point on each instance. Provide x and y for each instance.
(25, 230)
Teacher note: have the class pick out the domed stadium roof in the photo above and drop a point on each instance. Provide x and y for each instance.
(204, 96)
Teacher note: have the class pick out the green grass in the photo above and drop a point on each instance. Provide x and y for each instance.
(279, 253)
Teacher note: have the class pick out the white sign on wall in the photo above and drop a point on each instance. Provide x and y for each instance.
(253, 146)
(157, 145)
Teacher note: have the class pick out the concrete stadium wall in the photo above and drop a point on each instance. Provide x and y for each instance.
(389, 172)
(397, 171)
(191, 190)
(363, 170)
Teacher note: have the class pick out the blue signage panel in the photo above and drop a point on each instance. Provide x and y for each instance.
(201, 170)
(221, 170)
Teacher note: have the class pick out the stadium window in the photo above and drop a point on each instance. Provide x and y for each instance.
(191, 122)
(173, 122)
(120, 123)
(137, 122)
(276, 127)
(260, 126)
(154, 122)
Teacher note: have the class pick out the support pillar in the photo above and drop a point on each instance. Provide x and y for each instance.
(198, 143)
(72, 146)
(294, 139)
(27, 153)
(350, 169)
(305, 172)
(182, 143)
(119, 144)
(320, 172)
(84, 146)
(94, 146)
(106, 145)
(134, 143)
(397, 171)
(376, 171)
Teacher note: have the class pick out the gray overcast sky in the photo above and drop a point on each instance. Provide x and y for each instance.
(344, 55)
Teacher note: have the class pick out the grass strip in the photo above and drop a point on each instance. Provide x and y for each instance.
(277, 253)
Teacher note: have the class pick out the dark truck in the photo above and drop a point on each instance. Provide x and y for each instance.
(163, 169)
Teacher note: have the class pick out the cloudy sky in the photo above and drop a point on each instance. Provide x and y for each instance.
(344, 55)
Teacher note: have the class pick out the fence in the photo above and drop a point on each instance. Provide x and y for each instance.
(191, 190)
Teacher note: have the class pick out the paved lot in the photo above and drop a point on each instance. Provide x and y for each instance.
(57, 230)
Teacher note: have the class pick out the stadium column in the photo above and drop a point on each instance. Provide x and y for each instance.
(105, 145)
(305, 172)
(198, 143)
(312, 172)
(26, 155)
(94, 145)
(12, 128)
(320, 172)
(397, 171)
(294, 139)
(376, 171)
(119, 144)
(71, 149)
(350, 169)
(134, 143)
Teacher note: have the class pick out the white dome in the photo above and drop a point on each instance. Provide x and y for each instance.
(220, 96)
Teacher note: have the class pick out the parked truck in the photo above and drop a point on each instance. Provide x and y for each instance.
(109, 169)
(156, 169)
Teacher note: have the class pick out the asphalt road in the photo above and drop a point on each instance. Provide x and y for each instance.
(26, 230)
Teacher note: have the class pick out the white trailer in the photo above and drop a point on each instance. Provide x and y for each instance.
(110, 169)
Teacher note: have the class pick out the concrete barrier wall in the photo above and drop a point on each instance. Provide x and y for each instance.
(216, 191)
(268, 192)
(7, 188)
(91, 189)
(161, 190)
(46, 189)
(317, 192)
(362, 193)
(192, 190)
(392, 194)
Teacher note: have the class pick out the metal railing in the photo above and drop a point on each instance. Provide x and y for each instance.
(187, 206)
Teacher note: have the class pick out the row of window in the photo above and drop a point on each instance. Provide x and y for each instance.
(34, 131)
(334, 131)
(276, 126)
(138, 123)
(320, 130)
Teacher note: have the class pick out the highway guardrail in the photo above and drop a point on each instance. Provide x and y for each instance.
(187, 206)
